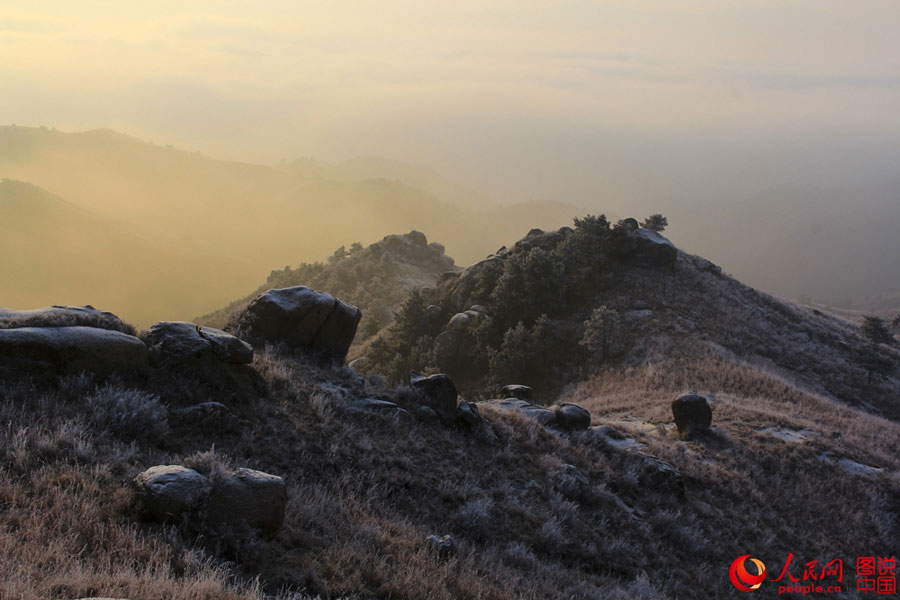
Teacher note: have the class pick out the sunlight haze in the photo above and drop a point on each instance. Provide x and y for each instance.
(776, 115)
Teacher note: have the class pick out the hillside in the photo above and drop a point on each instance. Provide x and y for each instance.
(377, 279)
(534, 302)
(797, 463)
(252, 218)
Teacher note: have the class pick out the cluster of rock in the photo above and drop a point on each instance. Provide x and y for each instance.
(172, 493)
(562, 417)
(70, 339)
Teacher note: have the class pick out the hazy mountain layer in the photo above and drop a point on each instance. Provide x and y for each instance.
(251, 218)
(54, 252)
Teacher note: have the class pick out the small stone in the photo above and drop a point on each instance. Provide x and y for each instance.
(442, 547)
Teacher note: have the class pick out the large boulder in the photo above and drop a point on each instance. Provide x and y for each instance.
(169, 491)
(301, 318)
(178, 341)
(249, 496)
(692, 414)
(60, 350)
(571, 417)
(438, 393)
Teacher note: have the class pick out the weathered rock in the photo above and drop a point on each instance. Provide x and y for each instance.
(63, 316)
(70, 350)
(178, 341)
(442, 547)
(469, 415)
(571, 417)
(692, 414)
(168, 491)
(655, 249)
(247, 496)
(301, 318)
(438, 393)
(515, 390)
(542, 415)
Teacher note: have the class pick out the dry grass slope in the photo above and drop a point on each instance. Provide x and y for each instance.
(365, 491)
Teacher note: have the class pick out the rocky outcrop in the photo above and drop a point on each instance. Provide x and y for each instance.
(62, 350)
(564, 417)
(692, 414)
(541, 414)
(457, 341)
(303, 319)
(245, 496)
(438, 393)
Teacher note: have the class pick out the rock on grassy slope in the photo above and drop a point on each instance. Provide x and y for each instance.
(628, 509)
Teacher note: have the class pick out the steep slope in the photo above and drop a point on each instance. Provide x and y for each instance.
(55, 252)
(252, 217)
(533, 305)
(376, 278)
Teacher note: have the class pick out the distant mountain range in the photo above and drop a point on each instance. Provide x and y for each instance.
(197, 231)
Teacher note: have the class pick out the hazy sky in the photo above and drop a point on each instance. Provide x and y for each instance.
(598, 103)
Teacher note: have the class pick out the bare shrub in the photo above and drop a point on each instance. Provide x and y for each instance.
(128, 413)
(473, 517)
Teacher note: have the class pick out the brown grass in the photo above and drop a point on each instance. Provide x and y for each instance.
(364, 492)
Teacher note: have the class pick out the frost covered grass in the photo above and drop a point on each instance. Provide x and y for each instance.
(365, 491)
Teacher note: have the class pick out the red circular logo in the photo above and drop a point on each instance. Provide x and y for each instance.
(741, 577)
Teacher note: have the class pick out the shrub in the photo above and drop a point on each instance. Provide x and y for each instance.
(128, 413)
(657, 223)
